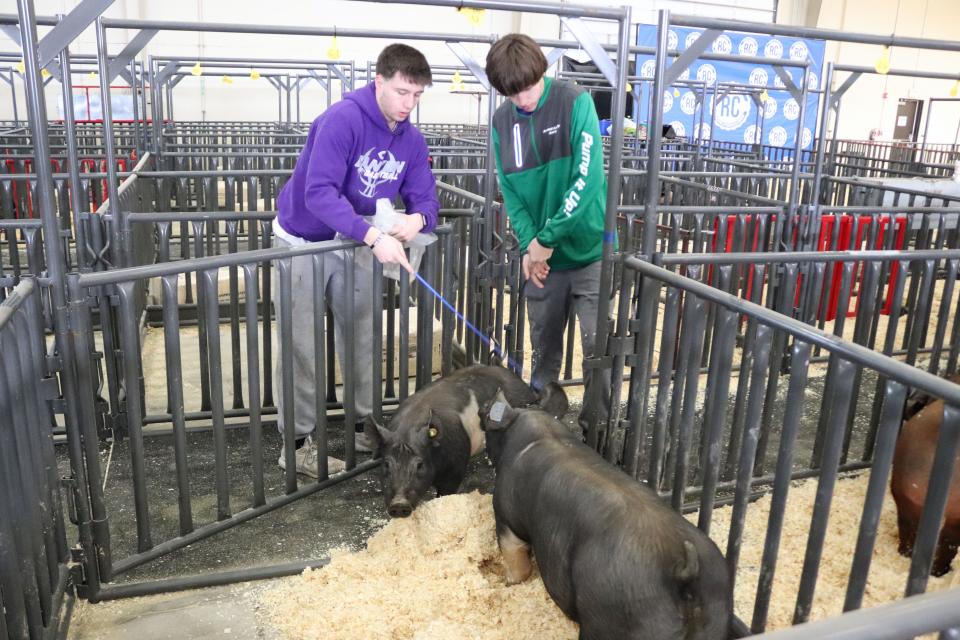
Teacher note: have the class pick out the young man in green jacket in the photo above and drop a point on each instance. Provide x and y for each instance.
(549, 158)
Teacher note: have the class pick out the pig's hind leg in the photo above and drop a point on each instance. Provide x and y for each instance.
(516, 555)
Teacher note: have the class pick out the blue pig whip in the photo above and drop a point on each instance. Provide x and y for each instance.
(486, 339)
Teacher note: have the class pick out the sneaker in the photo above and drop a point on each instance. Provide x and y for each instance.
(360, 444)
(306, 457)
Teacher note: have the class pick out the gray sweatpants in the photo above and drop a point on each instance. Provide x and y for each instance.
(549, 308)
(304, 372)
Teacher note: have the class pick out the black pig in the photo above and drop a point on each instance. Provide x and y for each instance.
(612, 555)
(434, 432)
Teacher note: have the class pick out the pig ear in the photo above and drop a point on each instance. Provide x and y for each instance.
(374, 436)
(553, 400)
(431, 431)
(499, 413)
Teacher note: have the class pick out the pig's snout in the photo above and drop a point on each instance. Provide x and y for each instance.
(399, 509)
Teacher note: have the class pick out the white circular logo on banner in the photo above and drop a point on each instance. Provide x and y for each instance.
(647, 68)
(706, 73)
(773, 49)
(777, 136)
(732, 112)
(667, 101)
(806, 138)
(777, 82)
(723, 44)
(791, 110)
(813, 82)
(672, 40)
(769, 108)
(691, 38)
(798, 50)
(758, 77)
(678, 128)
(751, 135)
(688, 103)
(748, 47)
(686, 74)
(704, 131)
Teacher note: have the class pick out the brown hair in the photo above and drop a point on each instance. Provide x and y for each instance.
(514, 63)
(405, 60)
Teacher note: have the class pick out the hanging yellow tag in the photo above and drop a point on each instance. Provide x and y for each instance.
(764, 96)
(333, 52)
(629, 88)
(954, 89)
(196, 70)
(882, 65)
(473, 16)
(21, 68)
(227, 80)
(676, 92)
(44, 74)
(254, 75)
(92, 75)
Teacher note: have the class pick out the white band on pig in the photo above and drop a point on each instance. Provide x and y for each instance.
(497, 410)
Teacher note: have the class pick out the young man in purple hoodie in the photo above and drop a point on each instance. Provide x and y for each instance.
(359, 150)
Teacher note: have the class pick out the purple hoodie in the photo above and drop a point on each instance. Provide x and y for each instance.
(352, 158)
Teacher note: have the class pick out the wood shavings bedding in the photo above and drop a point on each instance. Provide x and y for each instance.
(438, 575)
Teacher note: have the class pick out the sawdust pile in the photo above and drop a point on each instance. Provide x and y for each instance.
(888, 570)
(436, 574)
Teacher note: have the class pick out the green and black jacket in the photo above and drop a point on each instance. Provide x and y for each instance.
(550, 164)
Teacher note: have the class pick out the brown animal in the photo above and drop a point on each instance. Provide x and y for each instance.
(912, 461)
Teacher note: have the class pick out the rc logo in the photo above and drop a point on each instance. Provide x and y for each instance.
(813, 82)
(692, 37)
(722, 44)
(706, 73)
(751, 135)
(806, 138)
(704, 131)
(667, 101)
(673, 41)
(770, 108)
(758, 77)
(748, 47)
(799, 51)
(773, 49)
(647, 69)
(374, 171)
(777, 136)
(688, 103)
(732, 112)
(791, 110)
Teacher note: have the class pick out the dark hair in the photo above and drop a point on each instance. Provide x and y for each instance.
(405, 60)
(514, 63)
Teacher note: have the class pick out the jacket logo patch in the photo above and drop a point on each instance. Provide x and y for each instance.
(552, 131)
(517, 146)
(374, 171)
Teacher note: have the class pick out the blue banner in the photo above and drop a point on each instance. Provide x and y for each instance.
(737, 118)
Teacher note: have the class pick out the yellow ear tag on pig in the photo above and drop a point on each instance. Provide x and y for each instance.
(432, 432)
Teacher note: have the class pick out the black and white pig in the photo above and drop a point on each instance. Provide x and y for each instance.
(436, 431)
(612, 555)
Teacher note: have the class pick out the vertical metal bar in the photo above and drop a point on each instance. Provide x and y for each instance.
(404, 351)
(888, 426)
(748, 447)
(319, 358)
(234, 283)
(938, 489)
(284, 267)
(210, 281)
(253, 378)
(171, 343)
(799, 365)
(640, 371)
(376, 401)
(838, 398)
(348, 367)
(716, 417)
(73, 160)
(122, 245)
(694, 321)
(132, 366)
